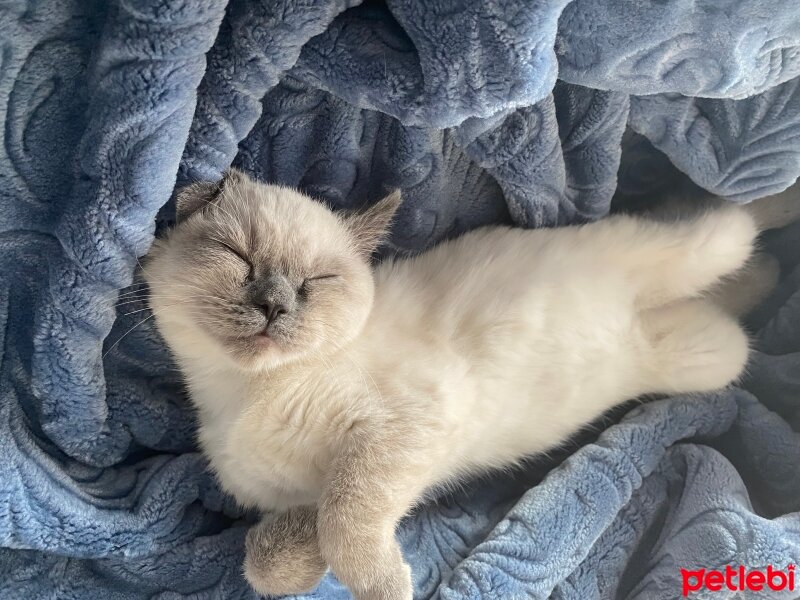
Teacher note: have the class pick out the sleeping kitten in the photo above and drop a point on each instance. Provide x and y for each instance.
(334, 395)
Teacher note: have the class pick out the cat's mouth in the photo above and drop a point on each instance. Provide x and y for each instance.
(263, 340)
(254, 348)
(254, 343)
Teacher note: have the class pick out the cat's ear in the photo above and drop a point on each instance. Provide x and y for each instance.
(200, 195)
(370, 226)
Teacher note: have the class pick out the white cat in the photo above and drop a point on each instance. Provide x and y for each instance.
(335, 395)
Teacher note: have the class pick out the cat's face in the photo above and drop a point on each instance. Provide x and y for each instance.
(263, 275)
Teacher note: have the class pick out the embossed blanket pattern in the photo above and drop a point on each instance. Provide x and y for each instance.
(519, 111)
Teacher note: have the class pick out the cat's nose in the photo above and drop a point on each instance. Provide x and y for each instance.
(272, 310)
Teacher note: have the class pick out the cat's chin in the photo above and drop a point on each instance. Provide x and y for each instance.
(251, 351)
(257, 353)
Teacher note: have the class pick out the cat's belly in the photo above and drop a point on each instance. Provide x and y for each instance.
(519, 387)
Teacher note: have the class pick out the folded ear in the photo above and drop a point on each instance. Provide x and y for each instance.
(197, 196)
(370, 226)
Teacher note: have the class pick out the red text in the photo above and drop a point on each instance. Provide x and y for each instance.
(740, 579)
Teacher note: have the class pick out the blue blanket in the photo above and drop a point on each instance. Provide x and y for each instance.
(515, 111)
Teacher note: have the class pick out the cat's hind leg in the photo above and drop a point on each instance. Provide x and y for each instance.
(774, 212)
(282, 554)
(748, 287)
(692, 346)
(675, 261)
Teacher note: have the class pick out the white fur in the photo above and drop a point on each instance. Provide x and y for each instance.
(368, 389)
(494, 346)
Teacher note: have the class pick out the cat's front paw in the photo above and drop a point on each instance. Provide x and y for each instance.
(392, 585)
(372, 568)
(282, 556)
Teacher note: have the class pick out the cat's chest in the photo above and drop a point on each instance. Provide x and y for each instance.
(261, 449)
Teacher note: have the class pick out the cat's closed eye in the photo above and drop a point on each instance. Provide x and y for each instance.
(321, 277)
(242, 257)
(304, 287)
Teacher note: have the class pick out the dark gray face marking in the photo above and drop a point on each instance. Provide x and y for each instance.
(276, 297)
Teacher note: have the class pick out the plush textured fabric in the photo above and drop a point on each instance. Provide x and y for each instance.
(106, 105)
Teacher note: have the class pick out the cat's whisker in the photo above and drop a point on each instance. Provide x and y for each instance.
(204, 297)
(142, 290)
(154, 313)
(146, 291)
(133, 312)
(145, 297)
(114, 345)
(134, 289)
